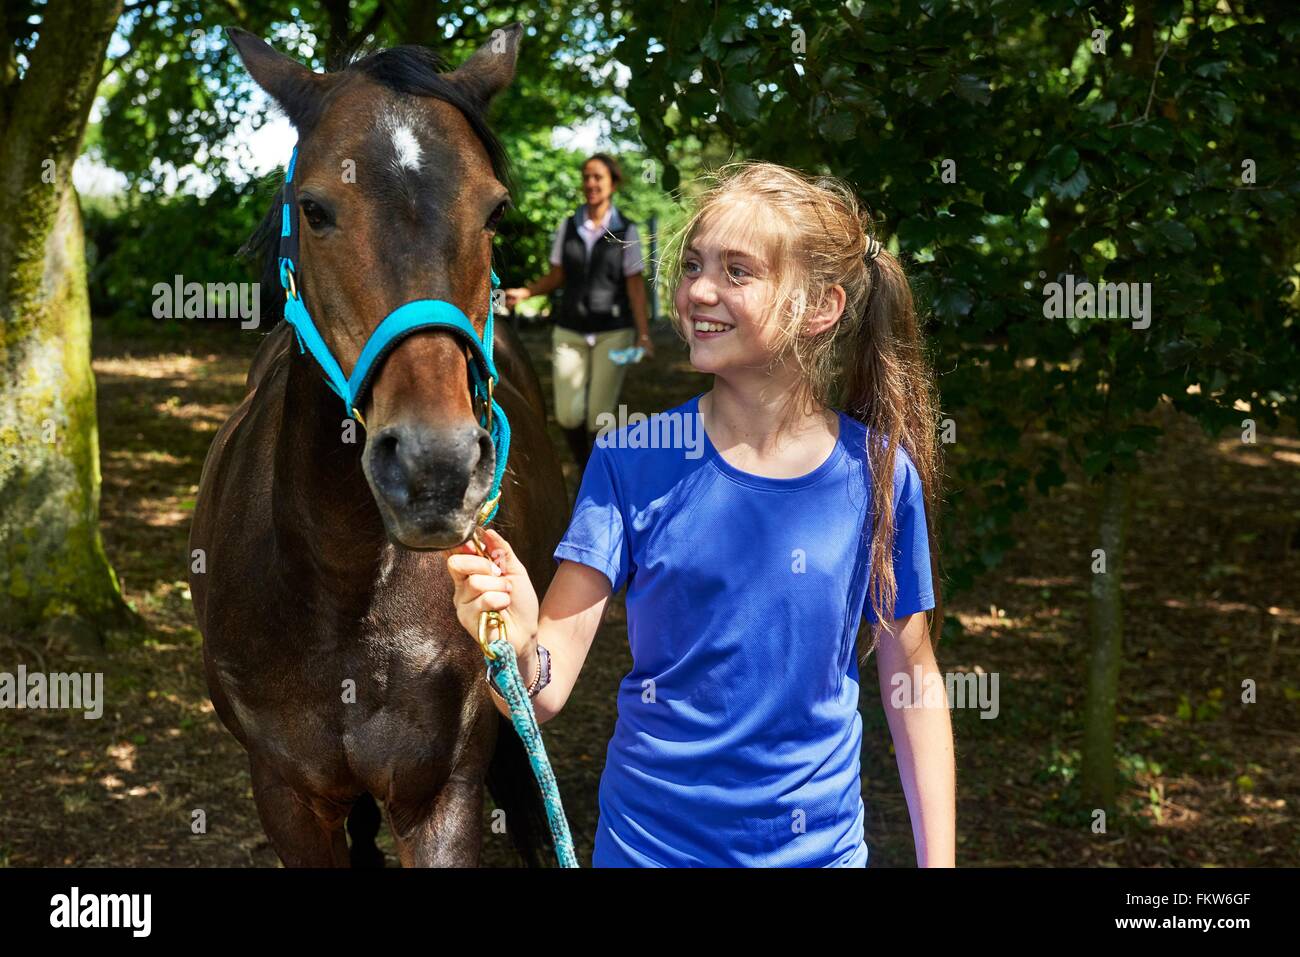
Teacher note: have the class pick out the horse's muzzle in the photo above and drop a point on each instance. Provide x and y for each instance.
(429, 482)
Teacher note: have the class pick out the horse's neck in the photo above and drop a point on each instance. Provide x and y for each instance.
(326, 521)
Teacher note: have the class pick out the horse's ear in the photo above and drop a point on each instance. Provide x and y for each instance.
(492, 67)
(295, 87)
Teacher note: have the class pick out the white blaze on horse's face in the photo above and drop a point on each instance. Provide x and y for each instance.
(398, 126)
(407, 148)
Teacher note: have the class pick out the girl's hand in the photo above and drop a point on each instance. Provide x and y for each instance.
(646, 343)
(497, 583)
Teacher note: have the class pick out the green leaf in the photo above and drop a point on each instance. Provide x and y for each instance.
(1222, 108)
(1204, 326)
(972, 89)
(1073, 186)
(1151, 138)
(1213, 70)
(917, 233)
(710, 45)
(1033, 180)
(927, 87)
(1103, 110)
(856, 95)
(741, 55)
(1177, 236)
(741, 102)
(954, 300)
(1180, 184)
(1062, 160)
(1083, 240)
(838, 127)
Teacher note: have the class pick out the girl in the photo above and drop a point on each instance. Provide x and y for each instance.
(596, 256)
(748, 573)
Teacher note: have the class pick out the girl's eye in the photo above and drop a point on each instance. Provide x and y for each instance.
(315, 213)
(690, 266)
(740, 269)
(495, 218)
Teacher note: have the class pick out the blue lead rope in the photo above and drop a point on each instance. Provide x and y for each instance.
(401, 322)
(504, 671)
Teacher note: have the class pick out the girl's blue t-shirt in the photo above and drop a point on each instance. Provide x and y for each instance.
(738, 738)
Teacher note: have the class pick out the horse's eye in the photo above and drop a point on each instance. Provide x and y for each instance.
(316, 215)
(491, 225)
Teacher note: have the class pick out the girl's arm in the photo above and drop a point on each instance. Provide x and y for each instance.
(922, 738)
(566, 622)
(570, 614)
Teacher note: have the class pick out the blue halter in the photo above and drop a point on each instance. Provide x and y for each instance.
(401, 322)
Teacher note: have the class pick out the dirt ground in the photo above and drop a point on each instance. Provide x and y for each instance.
(1211, 600)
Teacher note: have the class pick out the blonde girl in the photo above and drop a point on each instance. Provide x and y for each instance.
(791, 505)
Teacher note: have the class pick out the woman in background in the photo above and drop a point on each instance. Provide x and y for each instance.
(596, 256)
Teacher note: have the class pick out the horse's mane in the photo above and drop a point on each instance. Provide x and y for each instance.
(413, 70)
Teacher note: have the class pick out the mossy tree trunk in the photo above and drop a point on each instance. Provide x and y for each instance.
(52, 561)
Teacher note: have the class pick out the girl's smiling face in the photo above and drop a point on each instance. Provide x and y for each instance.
(724, 299)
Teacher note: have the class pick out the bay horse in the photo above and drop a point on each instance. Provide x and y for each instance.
(330, 645)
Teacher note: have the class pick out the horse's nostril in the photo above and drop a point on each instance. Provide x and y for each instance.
(433, 469)
(485, 448)
(386, 467)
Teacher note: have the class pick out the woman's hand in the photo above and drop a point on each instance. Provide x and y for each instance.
(517, 295)
(646, 343)
(496, 583)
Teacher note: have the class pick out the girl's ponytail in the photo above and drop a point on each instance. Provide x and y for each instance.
(889, 387)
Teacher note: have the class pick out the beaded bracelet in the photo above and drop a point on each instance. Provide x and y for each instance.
(540, 680)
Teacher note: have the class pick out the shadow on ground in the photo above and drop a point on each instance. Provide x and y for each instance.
(1211, 601)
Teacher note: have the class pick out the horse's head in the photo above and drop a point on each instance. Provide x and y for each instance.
(399, 186)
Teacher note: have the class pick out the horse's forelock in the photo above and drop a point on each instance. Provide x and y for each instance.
(418, 71)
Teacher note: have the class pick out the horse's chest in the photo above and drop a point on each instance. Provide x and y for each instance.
(391, 710)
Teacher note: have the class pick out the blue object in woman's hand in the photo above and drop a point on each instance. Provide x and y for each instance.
(623, 357)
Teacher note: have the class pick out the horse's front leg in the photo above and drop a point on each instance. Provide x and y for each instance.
(443, 827)
(303, 831)
(443, 832)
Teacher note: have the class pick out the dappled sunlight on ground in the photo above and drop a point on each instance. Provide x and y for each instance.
(1210, 612)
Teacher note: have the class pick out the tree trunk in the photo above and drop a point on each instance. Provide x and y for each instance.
(1106, 647)
(52, 561)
